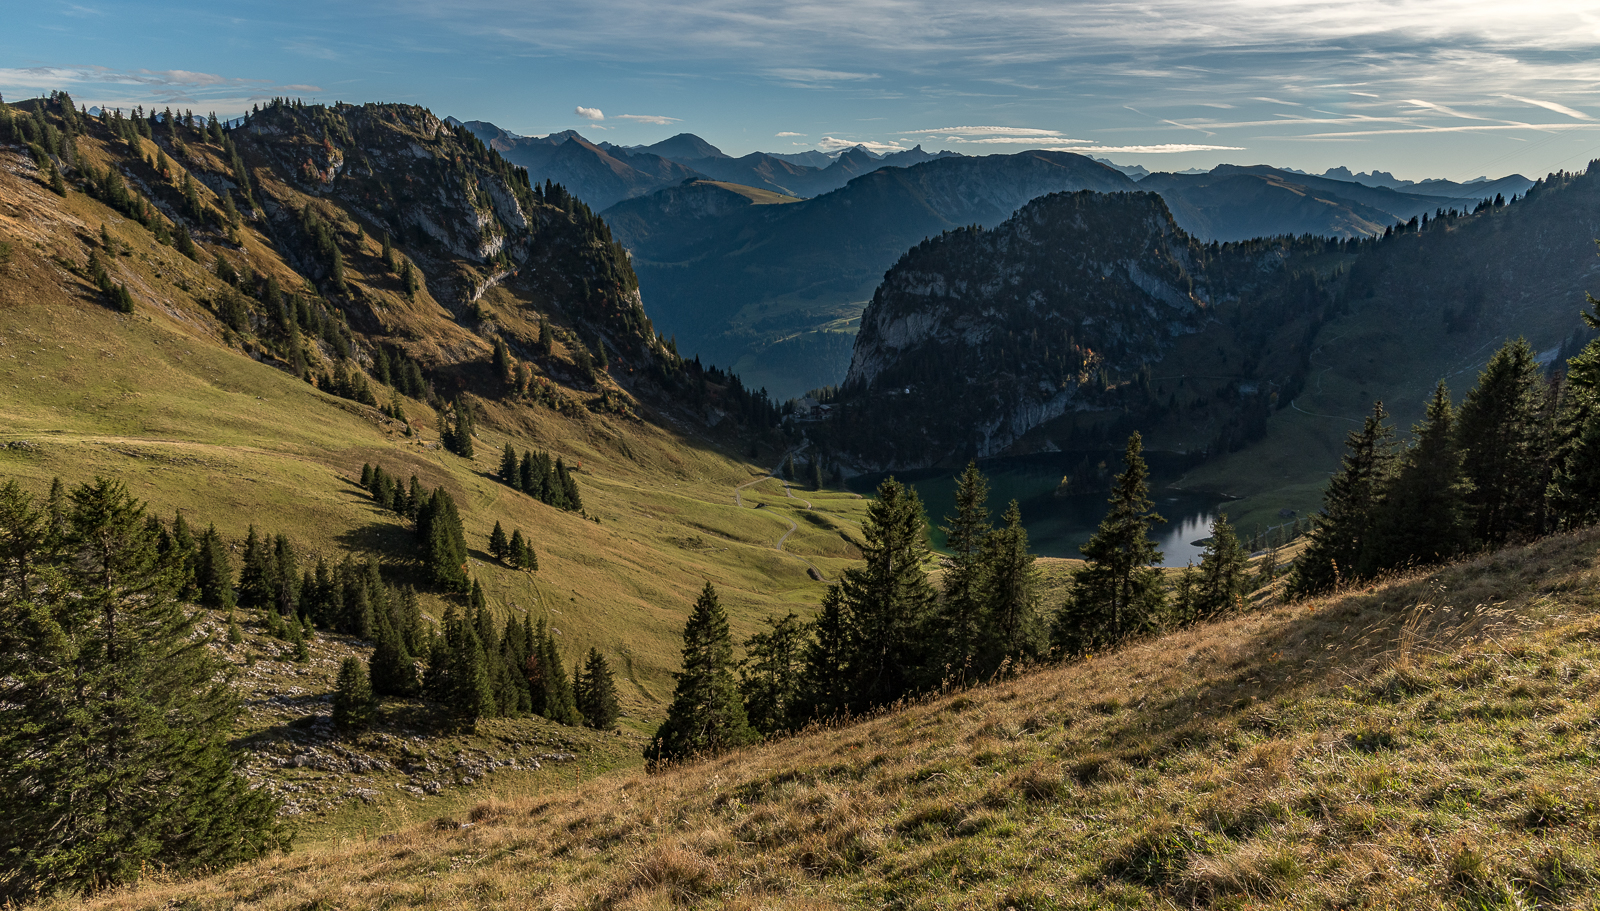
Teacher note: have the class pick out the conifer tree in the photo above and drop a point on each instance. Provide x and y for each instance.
(706, 715)
(788, 468)
(598, 705)
(258, 581)
(510, 468)
(1576, 486)
(114, 744)
(1119, 593)
(1423, 516)
(1350, 506)
(393, 671)
(499, 547)
(213, 573)
(770, 675)
(552, 690)
(1223, 577)
(960, 610)
(388, 252)
(1012, 628)
(1505, 434)
(824, 690)
(459, 675)
(888, 600)
(353, 704)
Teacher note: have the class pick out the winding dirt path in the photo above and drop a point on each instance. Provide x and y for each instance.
(738, 499)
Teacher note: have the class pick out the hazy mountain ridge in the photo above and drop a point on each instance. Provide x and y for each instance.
(729, 281)
(978, 336)
(1368, 319)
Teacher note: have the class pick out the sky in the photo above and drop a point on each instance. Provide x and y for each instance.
(1419, 88)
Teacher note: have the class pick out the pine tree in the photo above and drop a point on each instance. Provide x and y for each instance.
(459, 673)
(706, 715)
(598, 705)
(552, 690)
(960, 610)
(258, 581)
(1423, 516)
(1505, 434)
(213, 573)
(824, 690)
(353, 704)
(388, 252)
(57, 182)
(815, 475)
(114, 748)
(1223, 577)
(510, 469)
(502, 363)
(888, 601)
(1576, 485)
(392, 669)
(1012, 628)
(770, 675)
(499, 547)
(1119, 593)
(1350, 507)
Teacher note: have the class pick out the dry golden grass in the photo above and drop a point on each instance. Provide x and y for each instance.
(1426, 742)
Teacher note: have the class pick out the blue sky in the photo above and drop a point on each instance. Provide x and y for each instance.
(1422, 88)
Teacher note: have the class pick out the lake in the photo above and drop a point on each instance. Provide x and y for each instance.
(1059, 523)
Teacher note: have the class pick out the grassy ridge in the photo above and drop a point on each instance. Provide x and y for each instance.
(1426, 742)
(155, 399)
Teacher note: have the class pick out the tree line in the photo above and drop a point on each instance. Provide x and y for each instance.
(1520, 458)
(885, 632)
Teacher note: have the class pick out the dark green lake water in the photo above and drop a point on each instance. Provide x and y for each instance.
(1058, 525)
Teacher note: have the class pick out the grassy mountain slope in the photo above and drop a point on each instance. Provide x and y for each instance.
(198, 417)
(1422, 743)
(1419, 308)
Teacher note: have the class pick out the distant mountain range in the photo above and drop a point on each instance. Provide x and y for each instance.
(761, 287)
(603, 174)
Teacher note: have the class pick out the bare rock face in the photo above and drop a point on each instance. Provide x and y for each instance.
(981, 335)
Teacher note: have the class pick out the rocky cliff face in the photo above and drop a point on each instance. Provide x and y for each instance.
(978, 336)
(1007, 327)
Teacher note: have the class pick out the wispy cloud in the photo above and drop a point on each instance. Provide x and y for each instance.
(1165, 148)
(655, 119)
(834, 144)
(787, 133)
(1551, 106)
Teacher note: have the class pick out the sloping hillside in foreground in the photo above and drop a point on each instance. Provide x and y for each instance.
(1424, 743)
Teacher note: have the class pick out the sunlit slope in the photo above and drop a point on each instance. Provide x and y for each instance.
(154, 399)
(1423, 743)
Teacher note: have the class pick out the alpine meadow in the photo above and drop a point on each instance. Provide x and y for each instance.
(1062, 511)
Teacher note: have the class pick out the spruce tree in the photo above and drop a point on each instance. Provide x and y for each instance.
(961, 608)
(770, 674)
(213, 573)
(824, 689)
(393, 671)
(258, 580)
(888, 601)
(353, 704)
(1350, 508)
(706, 715)
(462, 680)
(510, 469)
(114, 722)
(558, 703)
(598, 705)
(1576, 485)
(1012, 628)
(1423, 516)
(499, 547)
(1119, 593)
(1223, 578)
(1505, 434)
